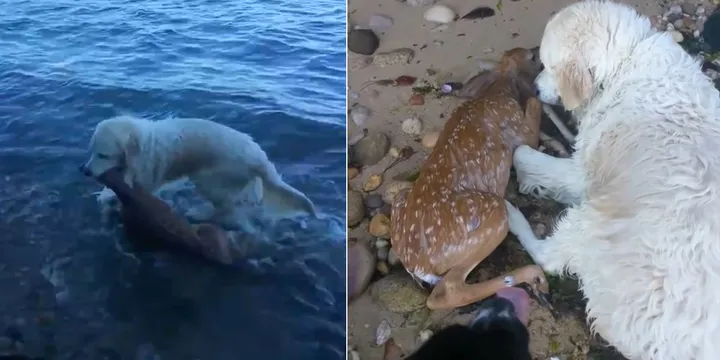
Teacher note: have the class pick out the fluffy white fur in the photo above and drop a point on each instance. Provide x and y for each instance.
(643, 230)
(225, 165)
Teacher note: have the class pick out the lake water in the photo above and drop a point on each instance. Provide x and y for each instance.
(274, 69)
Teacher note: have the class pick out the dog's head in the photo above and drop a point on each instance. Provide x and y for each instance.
(584, 45)
(498, 332)
(113, 145)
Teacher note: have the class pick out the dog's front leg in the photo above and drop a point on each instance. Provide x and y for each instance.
(546, 176)
(554, 253)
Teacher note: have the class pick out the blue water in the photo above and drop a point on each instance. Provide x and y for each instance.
(274, 69)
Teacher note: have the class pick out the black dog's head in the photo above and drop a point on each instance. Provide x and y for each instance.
(495, 334)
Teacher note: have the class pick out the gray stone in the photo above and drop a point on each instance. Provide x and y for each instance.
(371, 149)
(380, 22)
(363, 41)
(356, 209)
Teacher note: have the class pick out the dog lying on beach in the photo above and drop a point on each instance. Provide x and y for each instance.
(642, 232)
(225, 165)
(498, 332)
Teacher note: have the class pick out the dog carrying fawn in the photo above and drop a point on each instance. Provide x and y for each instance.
(455, 214)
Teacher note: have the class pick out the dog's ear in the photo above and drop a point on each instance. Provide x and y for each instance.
(477, 84)
(132, 145)
(575, 84)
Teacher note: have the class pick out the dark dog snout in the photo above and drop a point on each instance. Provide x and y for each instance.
(491, 310)
(84, 169)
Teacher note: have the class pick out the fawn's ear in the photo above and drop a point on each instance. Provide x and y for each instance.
(575, 84)
(478, 84)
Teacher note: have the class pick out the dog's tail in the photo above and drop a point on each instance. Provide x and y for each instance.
(279, 198)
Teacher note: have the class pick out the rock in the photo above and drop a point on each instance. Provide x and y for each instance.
(674, 10)
(380, 22)
(382, 253)
(398, 293)
(359, 114)
(393, 259)
(353, 173)
(361, 266)
(371, 149)
(394, 152)
(416, 100)
(382, 243)
(412, 126)
(440, 14)
(679, 23)
(397, 56)
(382, 268)
(688, 7)
(380, 226)
(362, 41)
(359, 62)
(356, 209)
(374, 201)
(430, 139)
(677, 36)
(372, 182)
(420, 3)
(405, 80)
(394, 188)
(382, 333)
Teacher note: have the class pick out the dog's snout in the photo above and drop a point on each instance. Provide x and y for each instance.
(492, 309)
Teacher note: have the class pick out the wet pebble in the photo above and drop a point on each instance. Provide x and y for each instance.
(361, 266)
(412, 126)
(371, 149)
(374, 201)
(392, 259)
(441, 14)
(380, 22)
(359, 114)
(688, 7)
(383, 253)
(430, 139)
(362, 41)
(356, 209)
(380, 226)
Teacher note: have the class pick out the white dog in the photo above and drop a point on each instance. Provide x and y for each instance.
(643, 230)
(225, 165)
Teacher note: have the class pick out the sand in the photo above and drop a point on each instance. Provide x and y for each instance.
(442, 55)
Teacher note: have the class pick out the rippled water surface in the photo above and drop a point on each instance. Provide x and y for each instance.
(271, 68)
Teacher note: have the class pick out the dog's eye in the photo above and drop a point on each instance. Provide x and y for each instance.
(103, 156)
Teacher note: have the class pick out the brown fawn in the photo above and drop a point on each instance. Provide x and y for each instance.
(455, 214)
